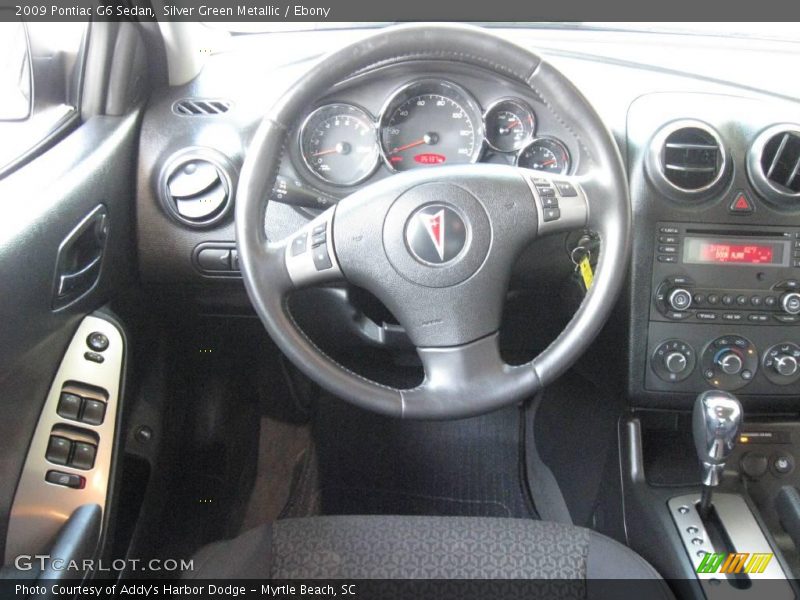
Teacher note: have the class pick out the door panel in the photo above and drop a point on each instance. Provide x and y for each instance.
(41, 204)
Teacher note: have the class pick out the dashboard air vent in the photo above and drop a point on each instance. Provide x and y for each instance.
(193, 107)
(687, 158)
(691, 158)
(773, 163)
(196, 187)
(780, 161)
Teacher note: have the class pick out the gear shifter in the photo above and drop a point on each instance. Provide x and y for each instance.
(715, 423)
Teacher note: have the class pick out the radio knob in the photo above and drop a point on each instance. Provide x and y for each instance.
(730, 363)
(681, 299)
(785, 365)
(790, 302)
(675, 362)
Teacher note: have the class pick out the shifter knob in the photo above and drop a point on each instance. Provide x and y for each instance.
(715, 424)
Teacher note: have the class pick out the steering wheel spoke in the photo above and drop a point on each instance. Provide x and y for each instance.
(465, 379)
(309, 253)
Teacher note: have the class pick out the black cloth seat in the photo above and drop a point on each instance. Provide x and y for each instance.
(399, 547)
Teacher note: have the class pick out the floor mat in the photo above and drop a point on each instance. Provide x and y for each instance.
(363, 463)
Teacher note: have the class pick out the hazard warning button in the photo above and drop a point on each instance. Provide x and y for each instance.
(741, 204)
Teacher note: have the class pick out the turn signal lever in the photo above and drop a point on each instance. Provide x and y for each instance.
(716, 420)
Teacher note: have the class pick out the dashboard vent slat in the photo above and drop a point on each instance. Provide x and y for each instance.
(691, 159)
(193, 107)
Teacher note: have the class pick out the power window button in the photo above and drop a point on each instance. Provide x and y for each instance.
(94, 412)
(69, 406)
(58, 449)
(66, 479)
(83, 456)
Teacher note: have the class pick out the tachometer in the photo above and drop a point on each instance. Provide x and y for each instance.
(338, 143)
(545, 154)
(510, 123)
(429, 123)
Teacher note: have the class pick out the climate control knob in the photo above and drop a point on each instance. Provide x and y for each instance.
(730, 362)
(675, 362)
(782, 363)
(790, 303)
(680, 299)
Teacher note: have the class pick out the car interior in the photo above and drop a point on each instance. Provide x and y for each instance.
(510, 301)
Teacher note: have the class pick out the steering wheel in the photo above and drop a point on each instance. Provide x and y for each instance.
(437, 245)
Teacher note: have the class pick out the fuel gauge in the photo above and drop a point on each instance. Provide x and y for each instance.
(509, 124)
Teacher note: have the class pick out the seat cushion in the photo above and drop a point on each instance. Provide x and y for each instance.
(399, 547)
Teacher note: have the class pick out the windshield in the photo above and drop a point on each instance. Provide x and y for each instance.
(773, 31)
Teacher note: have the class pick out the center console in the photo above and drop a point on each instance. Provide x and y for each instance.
(725, 309)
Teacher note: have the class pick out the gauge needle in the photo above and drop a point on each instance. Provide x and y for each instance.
(324, 152)
(549, 162)
(513, 123)
(407, 146)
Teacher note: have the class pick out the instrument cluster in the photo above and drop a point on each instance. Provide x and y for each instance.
(424, 124)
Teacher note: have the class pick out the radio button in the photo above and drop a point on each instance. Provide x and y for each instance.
(790, 303)
(727, 299)
(732, 316)
(677, 315)
(789, 319)
(713, 299)
(668, 230)
(671, 239)
(755, 300)
(758, 318)
(787, 284)
(706, 316)
(699, 298)
(679, 299)
(770, 301)
(667, 258)
(668, 249)
(741, 300)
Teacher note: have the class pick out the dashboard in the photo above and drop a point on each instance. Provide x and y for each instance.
(712, 150)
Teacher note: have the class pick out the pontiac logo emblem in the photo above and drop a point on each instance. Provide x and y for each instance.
(436, 234)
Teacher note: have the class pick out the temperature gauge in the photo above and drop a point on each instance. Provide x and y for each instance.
(509, 124)
(545, 154)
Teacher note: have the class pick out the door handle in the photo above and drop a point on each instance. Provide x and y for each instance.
(80, 257)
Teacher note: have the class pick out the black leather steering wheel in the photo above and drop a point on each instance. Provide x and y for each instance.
(475, 220)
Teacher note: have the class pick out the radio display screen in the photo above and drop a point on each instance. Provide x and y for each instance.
(720, 251)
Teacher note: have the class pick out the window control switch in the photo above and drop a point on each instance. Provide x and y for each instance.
(69, 406)
(70, 480)
(83, 456)
(58, 449)
(94, 412)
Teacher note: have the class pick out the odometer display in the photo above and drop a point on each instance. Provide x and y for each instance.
(339, 144)
(430, 123)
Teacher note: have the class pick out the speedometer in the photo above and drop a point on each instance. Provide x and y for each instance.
(429, 123)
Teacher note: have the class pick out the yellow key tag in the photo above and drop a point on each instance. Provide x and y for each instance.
(586, 272)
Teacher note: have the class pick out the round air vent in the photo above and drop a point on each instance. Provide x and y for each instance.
(196, 186)
(687, 159)
(773, 163)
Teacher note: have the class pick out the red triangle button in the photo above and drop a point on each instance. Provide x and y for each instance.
(741, 204)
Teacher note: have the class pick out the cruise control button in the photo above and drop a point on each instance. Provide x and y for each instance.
(545, 191)
(94, 412)
(299, 244)
(70, 480)
(97, 341)
(83, 456)
(69, 406)
(549, 202)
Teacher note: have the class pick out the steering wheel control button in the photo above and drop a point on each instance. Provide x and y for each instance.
(299, 244)
(83, 456)
(322, 259)
(94, 412)
(58, 450)
(69, 406)
(97, 341)
(729, 362)
(70, 480)
(551, 214)
(549, 202)
(93, 357)
(673, 361)
(565, 189)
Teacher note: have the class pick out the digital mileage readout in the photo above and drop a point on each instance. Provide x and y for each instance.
(735, 252)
